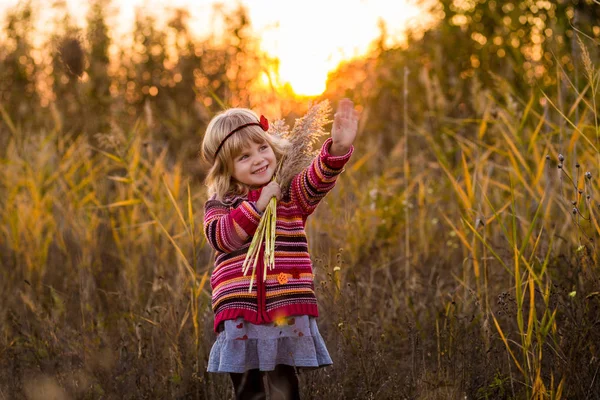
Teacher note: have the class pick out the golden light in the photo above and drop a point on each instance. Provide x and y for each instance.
(306, 77)
(312, 39)
(309, 39)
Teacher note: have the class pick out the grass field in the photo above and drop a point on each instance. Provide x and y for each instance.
(457, 257)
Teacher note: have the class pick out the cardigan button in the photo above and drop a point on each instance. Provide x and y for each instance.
(282, 278)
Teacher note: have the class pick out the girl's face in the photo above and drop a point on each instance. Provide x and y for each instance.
(255, 165)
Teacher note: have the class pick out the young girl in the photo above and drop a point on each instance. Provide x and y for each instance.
(270, 330)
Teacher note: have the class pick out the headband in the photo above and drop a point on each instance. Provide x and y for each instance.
(264, 124)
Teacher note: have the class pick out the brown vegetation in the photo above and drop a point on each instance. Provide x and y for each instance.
(457, 256)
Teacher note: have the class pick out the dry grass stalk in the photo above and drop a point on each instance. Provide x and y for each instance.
(302, 138)
(305, 134)
(587, 61)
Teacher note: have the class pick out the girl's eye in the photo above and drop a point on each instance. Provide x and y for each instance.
(263, 147)
(243, 157)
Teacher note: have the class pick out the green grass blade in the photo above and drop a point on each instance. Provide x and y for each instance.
(486, 244)
(177, 209)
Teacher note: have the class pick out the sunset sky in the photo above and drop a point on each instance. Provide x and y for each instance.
(310, 38)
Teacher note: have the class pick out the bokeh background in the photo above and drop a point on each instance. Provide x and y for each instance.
(457, 256)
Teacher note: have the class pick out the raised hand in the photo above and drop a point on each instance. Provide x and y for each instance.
(345, 125)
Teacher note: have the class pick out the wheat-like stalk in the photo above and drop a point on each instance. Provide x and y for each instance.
(587, 61)
(301, 139)
(307, 130)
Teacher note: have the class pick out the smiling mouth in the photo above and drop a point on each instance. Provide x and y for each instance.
(263, 169)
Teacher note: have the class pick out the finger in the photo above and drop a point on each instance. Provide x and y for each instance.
(347, 108)
(336, 122)
(340, 107)
(350, 110)
(341, 112)
(337, 119)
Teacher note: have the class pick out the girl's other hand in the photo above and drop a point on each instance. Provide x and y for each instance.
(271, 190)
(345, 125)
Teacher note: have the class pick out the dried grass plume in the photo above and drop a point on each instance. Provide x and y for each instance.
(305, 134)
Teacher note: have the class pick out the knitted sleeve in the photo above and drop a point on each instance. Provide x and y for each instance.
(228, 229)
(312, 184)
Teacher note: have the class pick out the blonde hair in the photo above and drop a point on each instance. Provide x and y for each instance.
(219, 179)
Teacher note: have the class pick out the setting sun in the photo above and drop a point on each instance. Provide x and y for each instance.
(306, 77)
(310, 41)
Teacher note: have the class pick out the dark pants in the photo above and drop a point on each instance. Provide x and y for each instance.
(282, 384)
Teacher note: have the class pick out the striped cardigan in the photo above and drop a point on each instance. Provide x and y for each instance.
(229, 226)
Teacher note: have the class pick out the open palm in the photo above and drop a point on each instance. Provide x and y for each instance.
(345, 124)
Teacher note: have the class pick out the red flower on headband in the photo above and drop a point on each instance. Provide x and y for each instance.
(264, 123)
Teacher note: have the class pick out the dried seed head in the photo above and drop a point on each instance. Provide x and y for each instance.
(72, 55)
(588, 175)
(573, 202)
(587, 61)
(574, 211)
(577, 165)
(548, 157)
(580, 191)
(302, 138)
(587, 197)
(559, 166)
(561, 158)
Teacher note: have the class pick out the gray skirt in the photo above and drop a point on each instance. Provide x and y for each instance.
(294, 341)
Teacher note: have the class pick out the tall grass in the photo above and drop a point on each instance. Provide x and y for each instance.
(110, 234)
(104, 268)
(516, 254)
